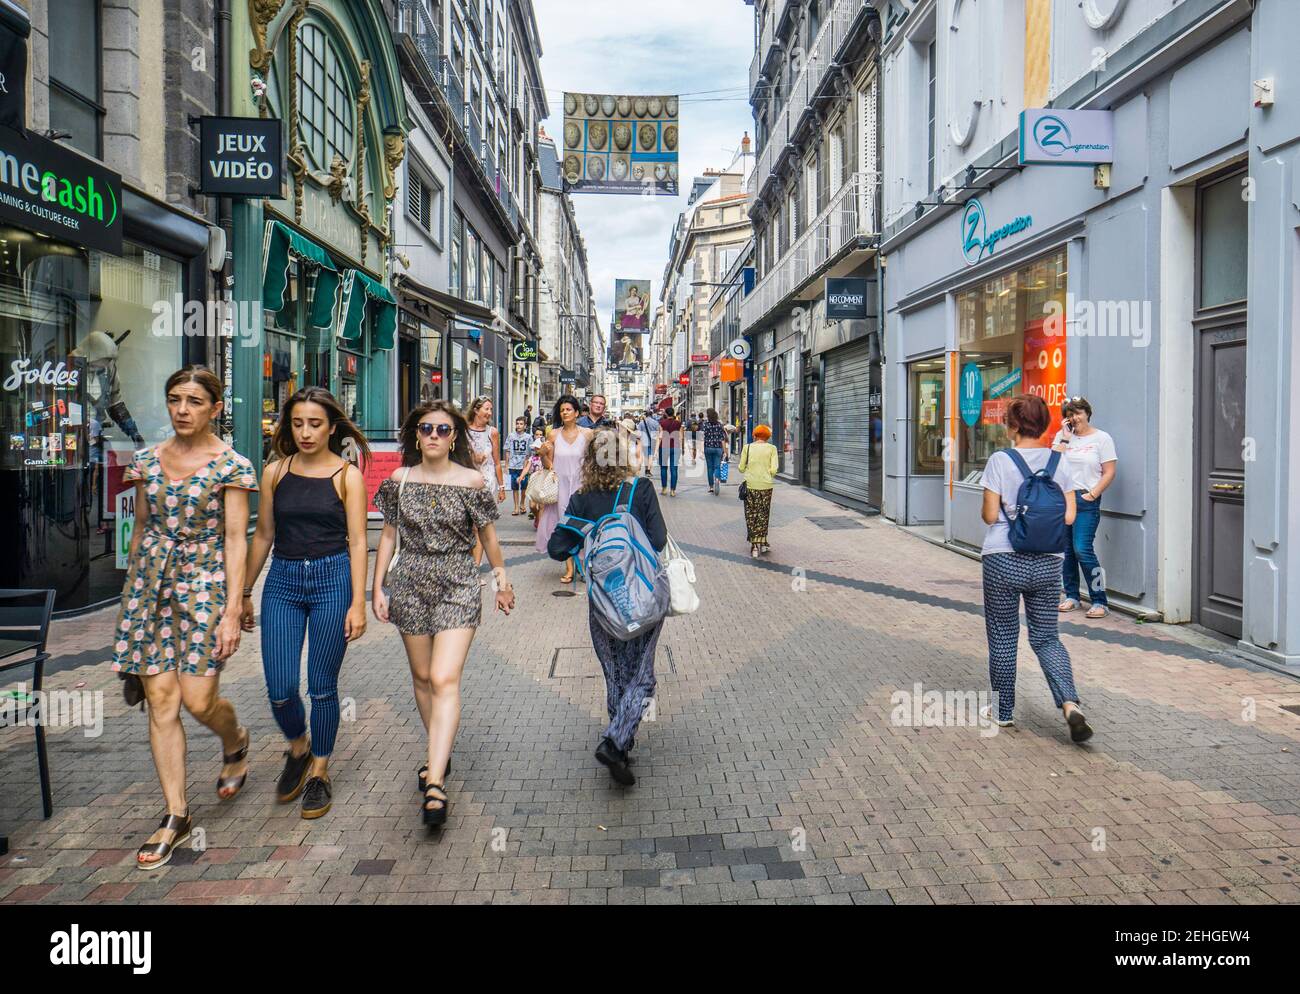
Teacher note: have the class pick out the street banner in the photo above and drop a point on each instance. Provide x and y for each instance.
(631, 306)
(626, 353)
(620, 144)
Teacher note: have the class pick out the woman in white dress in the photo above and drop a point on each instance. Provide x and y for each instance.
(563, 452)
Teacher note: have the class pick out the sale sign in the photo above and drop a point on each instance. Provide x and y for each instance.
(1044, 371)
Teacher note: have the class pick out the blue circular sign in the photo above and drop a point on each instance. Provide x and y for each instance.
(974, 231)
(1052, 135)
(971, 393)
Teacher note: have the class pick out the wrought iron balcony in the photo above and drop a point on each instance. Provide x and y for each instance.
(413, 19)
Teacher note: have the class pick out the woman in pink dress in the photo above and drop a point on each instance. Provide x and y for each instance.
(563, 452)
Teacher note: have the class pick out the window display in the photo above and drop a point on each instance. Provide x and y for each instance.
(927, 400)
(1005, 350)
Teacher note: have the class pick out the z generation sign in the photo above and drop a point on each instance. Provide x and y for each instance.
(620, 144)
(1066, 137)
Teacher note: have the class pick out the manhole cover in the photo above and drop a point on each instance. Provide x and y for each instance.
(575, 662)
(834, 524)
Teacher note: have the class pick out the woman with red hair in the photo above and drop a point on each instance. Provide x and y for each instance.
(758, 462)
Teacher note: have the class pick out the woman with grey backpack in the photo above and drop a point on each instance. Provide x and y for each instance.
(609, 486)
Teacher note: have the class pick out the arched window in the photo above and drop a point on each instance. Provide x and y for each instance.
(325, 116)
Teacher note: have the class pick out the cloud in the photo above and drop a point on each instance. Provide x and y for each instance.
(700, 49)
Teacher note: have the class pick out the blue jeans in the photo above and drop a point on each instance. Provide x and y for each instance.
(667, 462)
(1079, 553)
(712, 460)
(306, 598)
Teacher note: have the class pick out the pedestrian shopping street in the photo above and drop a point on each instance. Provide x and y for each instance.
(775, 764)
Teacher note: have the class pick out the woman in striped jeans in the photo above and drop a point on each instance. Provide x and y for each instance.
(313, 511)
(1010, 576)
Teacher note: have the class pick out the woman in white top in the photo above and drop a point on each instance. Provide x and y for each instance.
(1090, 453)
(1034, 576)
(485, 443)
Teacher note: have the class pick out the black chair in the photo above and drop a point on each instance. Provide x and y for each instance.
(24, 627)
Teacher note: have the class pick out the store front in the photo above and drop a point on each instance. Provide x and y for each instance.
(318, 257)
(778, 372)
(89, 332)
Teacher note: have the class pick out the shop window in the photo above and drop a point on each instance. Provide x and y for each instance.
(1006, 347)
(75, 66)
(927, 396)
(325, 116)
(457, 396)
(457, 236)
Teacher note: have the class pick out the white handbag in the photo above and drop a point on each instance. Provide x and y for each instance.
(682, 598)
(544, 488)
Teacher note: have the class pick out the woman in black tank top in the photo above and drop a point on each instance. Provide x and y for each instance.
(313, 511)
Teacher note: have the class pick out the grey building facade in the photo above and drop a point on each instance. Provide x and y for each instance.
(1165, 292)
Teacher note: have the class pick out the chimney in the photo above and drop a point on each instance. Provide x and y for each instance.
(746, 146)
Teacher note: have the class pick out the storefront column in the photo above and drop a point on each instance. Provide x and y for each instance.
(249, 332)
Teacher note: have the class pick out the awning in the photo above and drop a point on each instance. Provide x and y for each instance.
(360, 291)
(278, 243)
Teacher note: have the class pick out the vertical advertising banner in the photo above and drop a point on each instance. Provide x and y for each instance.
(620, 144)
(631, 324)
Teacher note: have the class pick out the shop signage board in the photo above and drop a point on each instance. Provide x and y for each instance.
(699, 357)
(1066, 137)
(971, 395)
(525, 351)
(739, 349)
(568, 376)
(1006, 383)
(43, 412)
(684, 379)
(846, 299)
(979, 238)
(48, 188)
(240, 157)
(125, 525)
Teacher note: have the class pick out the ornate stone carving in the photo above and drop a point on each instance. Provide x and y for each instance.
(260, 14)
(394, 152)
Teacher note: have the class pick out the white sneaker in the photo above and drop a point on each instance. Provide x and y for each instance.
(986, 712)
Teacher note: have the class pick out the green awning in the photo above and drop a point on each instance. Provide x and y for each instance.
(278, 243)
(360, 292)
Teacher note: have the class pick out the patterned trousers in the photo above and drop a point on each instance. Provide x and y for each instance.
(629, 679)
(758, 506)
(1007, 578)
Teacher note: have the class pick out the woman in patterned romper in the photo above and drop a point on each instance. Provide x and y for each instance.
(177, 626)
(441, 505)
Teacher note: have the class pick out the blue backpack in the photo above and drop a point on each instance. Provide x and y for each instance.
(1039, 524)
(626, 583)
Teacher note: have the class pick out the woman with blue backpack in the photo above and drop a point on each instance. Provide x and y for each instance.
(616, 527)
(1028, 506)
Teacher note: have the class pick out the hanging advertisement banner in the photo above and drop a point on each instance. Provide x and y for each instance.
(632, 306)
(627, 353)
(620, 144)
(240, 157)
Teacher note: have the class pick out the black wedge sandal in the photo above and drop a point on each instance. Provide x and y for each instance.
(181, 825)
(422, 775)
(433, 817)
(234, 783)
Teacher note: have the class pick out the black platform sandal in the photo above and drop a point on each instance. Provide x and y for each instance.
(181, 825)
(434, 817)
(234, 783)
(422, 774)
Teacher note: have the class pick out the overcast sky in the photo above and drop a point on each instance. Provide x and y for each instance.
(652, 47)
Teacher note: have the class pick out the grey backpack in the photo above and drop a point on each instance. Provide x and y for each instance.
(626, 583)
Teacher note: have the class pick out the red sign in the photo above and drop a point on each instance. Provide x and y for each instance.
(661, 388)
(700, 358)
(385, 457)
(436, 376)
(350, 364)
(684, 379)
(1044, 370)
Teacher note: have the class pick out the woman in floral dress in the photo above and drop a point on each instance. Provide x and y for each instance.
(177, 626)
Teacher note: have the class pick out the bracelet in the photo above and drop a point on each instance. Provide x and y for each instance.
(248, 591)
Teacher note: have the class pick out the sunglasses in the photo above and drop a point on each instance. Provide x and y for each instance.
(426, 429)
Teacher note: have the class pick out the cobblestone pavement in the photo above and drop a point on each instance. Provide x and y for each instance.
(777, 766)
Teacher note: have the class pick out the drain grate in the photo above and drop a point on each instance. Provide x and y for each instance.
(579, 661)
(836, 523)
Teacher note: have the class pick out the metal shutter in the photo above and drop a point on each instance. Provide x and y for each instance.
(846, 421)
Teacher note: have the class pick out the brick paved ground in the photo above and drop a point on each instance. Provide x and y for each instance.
(773, 769)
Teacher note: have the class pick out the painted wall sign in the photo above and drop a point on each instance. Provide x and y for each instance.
(1066, 137)
(240, 157)
(971, 395)
(846, 299)
(51, 189)
(978, 238)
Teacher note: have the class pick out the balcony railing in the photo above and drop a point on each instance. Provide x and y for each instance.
(849, 215)
(753, 73)
(413, 19)
(817, 65)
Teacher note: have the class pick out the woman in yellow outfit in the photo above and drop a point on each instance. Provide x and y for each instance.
(758, 462)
